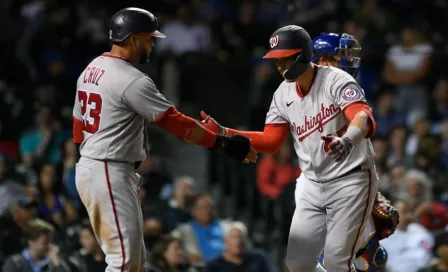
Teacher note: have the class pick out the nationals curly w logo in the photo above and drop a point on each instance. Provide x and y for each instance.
(273, 41)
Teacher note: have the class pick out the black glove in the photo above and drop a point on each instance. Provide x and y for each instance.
(236, 147)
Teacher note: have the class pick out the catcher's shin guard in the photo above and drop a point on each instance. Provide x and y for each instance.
(368, 259)
(371, 257)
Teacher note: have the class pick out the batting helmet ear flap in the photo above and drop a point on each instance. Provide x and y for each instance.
(298, 67)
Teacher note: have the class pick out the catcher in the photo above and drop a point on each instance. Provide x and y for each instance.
(342, 51)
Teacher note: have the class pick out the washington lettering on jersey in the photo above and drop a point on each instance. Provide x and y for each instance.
(319, 113)
(316, 122)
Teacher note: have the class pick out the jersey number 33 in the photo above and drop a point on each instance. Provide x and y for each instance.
(90, 103)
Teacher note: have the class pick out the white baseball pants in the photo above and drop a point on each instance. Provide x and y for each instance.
(331, 217)
(109, 191)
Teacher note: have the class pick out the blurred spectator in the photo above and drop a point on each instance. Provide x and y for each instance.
(409, 248)
(427, 157)
(9, 147)
(12, 226)
(420, 126)
(53, 207)
(70, 156)
(275, 172)
(380, 147)
(13, 26)
(184, 195)
(32, 9)
(440, 249)
(152, 218)
(157, 177)
(161, 216)
(370, 14)
(185, 34)
(392, 185)
(39, 254)
(264, 82)
(444, 144)
(406, 67)
(52, 31)
(439, 110)
(90, 257)
(44, 142)
(428, 212)
(9, 189)
(203, 236)
(276, 179)
(398, 139)
(167, 255)
(385, 115)
(236, 256)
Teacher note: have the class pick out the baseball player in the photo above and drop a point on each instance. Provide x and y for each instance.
(342, 51)
(326, 111)
(114, 101)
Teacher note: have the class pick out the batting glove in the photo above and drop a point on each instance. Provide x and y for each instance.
(211, 124)
(338, 147)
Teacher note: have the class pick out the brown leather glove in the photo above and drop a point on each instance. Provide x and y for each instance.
(385, 216)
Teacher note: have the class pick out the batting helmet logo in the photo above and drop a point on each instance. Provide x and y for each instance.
(273, 41)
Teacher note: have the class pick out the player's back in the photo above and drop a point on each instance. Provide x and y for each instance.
(111, 129)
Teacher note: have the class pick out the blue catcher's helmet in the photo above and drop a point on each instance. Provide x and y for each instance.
(344, 46)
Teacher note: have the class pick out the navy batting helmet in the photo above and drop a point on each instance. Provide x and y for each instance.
(132, 20)
(289, 41)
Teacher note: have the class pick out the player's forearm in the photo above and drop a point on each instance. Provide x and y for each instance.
(199, 135)
(359, 127)
(362, 124)
(268, 141)
(186, 128)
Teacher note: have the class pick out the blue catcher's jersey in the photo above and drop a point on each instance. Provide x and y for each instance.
(368, 258)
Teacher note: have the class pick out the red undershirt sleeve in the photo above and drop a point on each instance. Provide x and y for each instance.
(352, 109)
(180, 125)
(267, 141)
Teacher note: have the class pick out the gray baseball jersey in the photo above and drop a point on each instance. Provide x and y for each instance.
(320, 113)
(114, 100)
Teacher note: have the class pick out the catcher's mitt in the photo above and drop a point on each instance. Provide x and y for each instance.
(385, 217)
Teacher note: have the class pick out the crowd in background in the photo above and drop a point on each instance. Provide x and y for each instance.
(211, 60)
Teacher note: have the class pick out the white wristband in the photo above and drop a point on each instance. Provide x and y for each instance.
(354, 133)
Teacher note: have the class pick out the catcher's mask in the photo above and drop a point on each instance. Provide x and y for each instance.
(344, 46)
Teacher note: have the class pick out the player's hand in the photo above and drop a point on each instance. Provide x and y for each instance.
(212, 125)
(339, 148)
(237, 147)
(251, 156)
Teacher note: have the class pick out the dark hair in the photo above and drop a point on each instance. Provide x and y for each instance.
(57, 185)
(37, 228)
(86, 225)
(158, 250)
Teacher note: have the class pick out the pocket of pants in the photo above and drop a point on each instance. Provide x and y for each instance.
(138, 180)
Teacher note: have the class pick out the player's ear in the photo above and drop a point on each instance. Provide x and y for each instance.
(132, 40)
